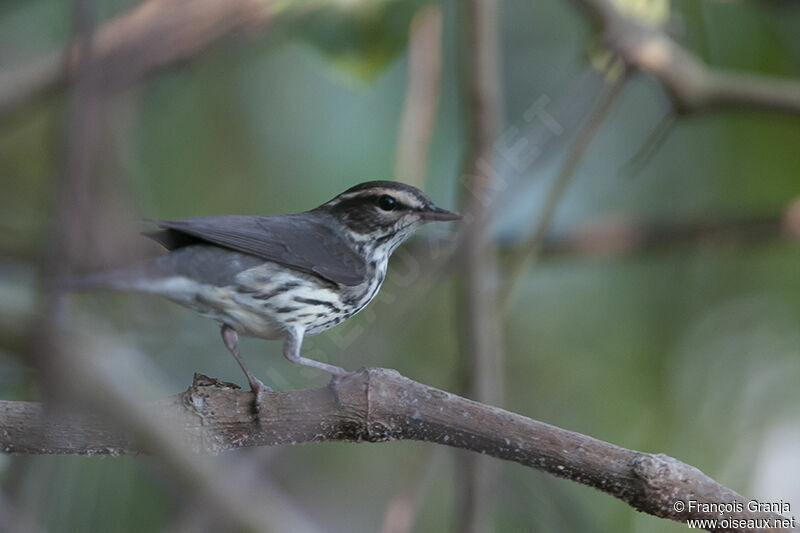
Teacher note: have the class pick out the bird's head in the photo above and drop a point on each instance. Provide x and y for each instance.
(384, 213)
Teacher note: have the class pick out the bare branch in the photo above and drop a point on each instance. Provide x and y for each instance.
(530, 251)
(615, 236)
(378, 405)
(152, 36)
(422, 96)
(692, 85)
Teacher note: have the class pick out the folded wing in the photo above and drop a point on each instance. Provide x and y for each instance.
(298, 241)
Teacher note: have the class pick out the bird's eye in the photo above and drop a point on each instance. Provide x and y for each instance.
(387, 203)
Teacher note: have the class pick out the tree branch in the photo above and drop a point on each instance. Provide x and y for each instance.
(480, 338)
(692, 85)
(377, 405)
(422, 96)
(152, 36)
(623, 236)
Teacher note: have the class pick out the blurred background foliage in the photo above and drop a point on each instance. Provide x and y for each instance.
(691, 350)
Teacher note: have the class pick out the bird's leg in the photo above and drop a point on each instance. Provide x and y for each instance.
(231, 340)
(291, 351)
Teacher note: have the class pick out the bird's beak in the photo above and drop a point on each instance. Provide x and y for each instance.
(433, 213)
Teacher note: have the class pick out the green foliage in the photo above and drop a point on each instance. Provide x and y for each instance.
(361, 37)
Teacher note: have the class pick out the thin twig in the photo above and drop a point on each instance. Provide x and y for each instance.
(654, 140)
(692, 85)
(620, 237)
(529, 253)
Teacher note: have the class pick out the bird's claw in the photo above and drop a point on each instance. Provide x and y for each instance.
(333, 384)
(258, 389)
(339, 375)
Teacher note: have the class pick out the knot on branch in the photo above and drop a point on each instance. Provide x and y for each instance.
(657, 471)
(665, 481)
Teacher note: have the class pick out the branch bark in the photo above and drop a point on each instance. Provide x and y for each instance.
(378, 405)
(693, 86)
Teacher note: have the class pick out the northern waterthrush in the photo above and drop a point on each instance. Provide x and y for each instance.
(285, 276)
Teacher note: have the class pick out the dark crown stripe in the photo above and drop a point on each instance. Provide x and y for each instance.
(368, 191)
(396, 185)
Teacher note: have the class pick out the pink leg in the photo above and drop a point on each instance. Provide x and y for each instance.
(231, 340)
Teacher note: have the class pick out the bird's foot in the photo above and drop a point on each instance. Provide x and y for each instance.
(336, 378)
(258, 389)
(338, 374)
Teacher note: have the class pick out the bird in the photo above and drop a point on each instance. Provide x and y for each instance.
(283, 277)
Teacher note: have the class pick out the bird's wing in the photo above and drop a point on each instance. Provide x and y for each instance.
(298, 241)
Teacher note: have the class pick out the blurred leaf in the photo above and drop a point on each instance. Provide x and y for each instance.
(652, 12)
(361, 37)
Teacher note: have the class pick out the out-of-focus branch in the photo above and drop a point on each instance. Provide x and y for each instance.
(72, 371)
(618, 236)
(22, 84)
(82, 130)
(378, 405)
(479, 322)
(13, 520)
(692, 85)
(113, 382)
(422, 96)
(152, 36)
